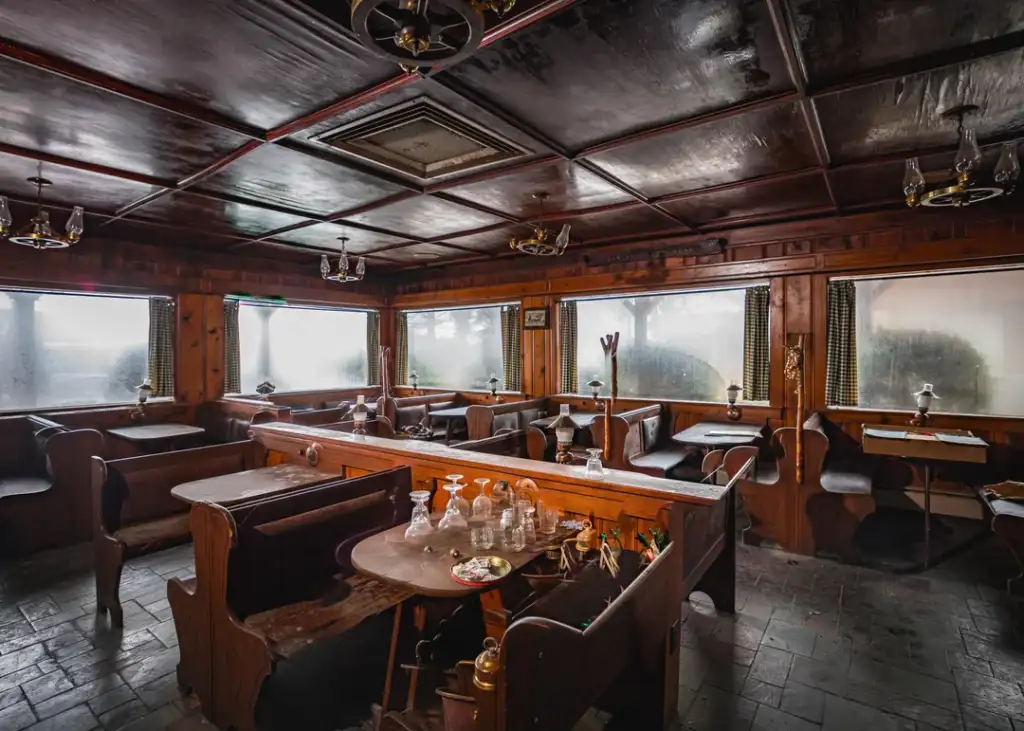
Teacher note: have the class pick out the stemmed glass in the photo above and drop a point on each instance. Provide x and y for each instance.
(460, 502)
(594, 470)
(420, 525)
(453, 519)
(482, 505)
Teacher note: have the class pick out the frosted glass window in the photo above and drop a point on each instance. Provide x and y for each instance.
(71, 349)
(301, 348)
(457, 349)
(686, 346)
(960, 332)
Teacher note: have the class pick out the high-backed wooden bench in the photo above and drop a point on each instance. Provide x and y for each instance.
(319, 417)
(641, 443)
(44, 500)
(263, 569)
(1008, 522)
(410, 410)
(485, 420)
(508, 442)
(135, 514)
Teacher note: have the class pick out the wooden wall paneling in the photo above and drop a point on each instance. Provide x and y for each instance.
(389, 339)
(815, 400)
(777, 341)
(213, 347)
(190, 348)
(538, 347)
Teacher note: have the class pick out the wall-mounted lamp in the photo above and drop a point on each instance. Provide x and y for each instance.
(565, 429)
(924, 402)
(734, 412)
(595, 385)
(492, 385)
(265, 389)
(142, 393)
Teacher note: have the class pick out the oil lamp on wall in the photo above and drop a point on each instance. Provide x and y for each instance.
(492, 386)
(414, 381)
(565, 429)
(734, 412)
(924, 402)
(359, 414)
(142, 393)
(595, 385)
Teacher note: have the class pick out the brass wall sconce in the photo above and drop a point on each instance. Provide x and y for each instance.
(595, 384)
(733, 412)
(924, 403)
(492, 386)
(414, 381)
(565, 430)
(143, 391)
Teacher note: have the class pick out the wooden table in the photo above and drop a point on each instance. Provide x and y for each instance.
(923, 445)
(583, 419)
(734, 435)
(239, 486)
(154, 437)
(449, 416)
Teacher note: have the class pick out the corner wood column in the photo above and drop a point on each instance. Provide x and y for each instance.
(540, 351)
(389, 339)
(198, 348)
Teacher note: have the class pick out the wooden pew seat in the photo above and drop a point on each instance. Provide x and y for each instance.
(151, 535)
(641, 443)
(669, 461)
(10, 486)
(1008, 523)
(844, 471)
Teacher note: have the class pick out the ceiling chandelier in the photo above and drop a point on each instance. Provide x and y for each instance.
(423, 33)
(343, 272)
(542, 241)
(38, 233)
(960, 187)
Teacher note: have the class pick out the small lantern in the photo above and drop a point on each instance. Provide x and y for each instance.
(595, 385)
(734, 412)
(565, 429)
(144, 390)
(492, 385)
(487, 666)
(924, 402)
(265, 389)
(359, 414)
(414, 380)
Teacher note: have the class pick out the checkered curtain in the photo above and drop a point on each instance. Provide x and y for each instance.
(373, 348)
(841, 376)
(755, 344)
(161, 346)
(568, 336)
(232, 349)
(512, 348)
(402, 349)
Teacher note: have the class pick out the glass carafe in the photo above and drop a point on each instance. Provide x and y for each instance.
(453, 519)
(594, 470)
(526, 511)
(482, 506)
(460, 502)
(420, 525)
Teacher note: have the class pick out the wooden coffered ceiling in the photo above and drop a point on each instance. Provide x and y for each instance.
(263, 128)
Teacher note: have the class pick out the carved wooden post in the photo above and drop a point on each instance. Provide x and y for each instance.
(385, 373)
(610, 345)
(795, 373)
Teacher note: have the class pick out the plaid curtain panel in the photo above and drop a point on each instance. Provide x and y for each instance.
(402, 349)
(841, 375)
(568, 335)
(755, 344)
(161, 346)
(232, 349)
(373, 348)
(512, 348)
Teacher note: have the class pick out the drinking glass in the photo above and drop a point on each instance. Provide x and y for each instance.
(594, 470)
(526, 511)
(512, 537)
(482, 505)
(420, 525)
(547, 519)
(481, 536)
(460, 502)
(453, 519)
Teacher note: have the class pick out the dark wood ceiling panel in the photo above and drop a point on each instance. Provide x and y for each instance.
(425, 218)
(906, 113)
(569, 188)
(128, 230)
(617, 67)
(44, 112)
(490, 242)
(640, 220)
(759, 142)
(263, 63)
(292, 179)
(841, 39)
(768, 198)
(70, 187)
(283, 252)
(208, 214)
(326, 235)
(425, 254)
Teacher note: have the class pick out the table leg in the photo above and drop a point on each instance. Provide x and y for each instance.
(927, 515)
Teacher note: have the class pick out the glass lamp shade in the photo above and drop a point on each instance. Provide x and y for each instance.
(414, 379)
(361, 267)
(360, 411)
(731, 393)
(1006, 172)
(913, 180)
(359, 417)
(564, 427)
(564, 434)
(925, 397)
(968, 157)
(492, 383)
(143, 391)
(5, 216)
(76, 223)
(595, 386)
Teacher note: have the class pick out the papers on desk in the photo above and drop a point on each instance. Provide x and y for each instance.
(971, 441)
(746, 433)
(884, 433)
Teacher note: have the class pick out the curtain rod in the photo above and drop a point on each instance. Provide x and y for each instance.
(929, 273)
(490, 305)
(666, 293)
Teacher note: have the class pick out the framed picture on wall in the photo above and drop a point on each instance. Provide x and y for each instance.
(536, 318)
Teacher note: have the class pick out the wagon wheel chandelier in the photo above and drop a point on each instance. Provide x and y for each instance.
(960, 187)
(38, 233)
(543, 241)
(423, 33)
(343, 273)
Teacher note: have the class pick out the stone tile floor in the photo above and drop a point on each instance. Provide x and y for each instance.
(814, 645)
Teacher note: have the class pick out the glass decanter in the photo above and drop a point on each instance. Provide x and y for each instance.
(526, 511)
(482, 505)
(453, 519)
(420, 525)
(594, 470)
(460, 502)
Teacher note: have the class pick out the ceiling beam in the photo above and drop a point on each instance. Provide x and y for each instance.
(82, 75)
(773, 178)
(541, 11)
(84, 166)
(492, 174)
(476, 207)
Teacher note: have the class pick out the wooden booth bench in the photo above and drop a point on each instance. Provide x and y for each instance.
(135, 514)
(486, 420)
(1008, 523)
(263, 568)
(44, 497)
(408, 411)
(641, 442)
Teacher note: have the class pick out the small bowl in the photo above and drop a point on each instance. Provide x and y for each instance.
(500, 568)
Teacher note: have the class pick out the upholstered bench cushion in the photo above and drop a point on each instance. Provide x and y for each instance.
(765, 472)
(665, 460)
(11, 486)
(164, 531)
(846, 478)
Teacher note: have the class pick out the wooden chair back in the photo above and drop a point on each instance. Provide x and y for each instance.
(483, 420)
(634, 433)
(388, 406)
(510, 442)
(319, 417)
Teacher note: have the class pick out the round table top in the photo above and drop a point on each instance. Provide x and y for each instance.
(153, 432)
(260, 482)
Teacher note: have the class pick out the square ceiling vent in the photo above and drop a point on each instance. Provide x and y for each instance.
(422, 139)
